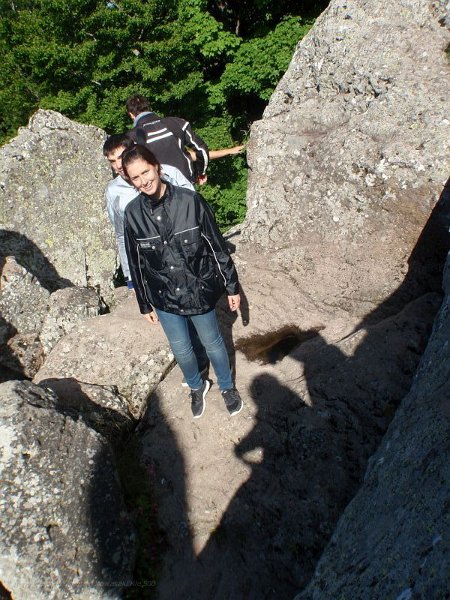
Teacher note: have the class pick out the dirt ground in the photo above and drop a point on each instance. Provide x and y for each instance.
(247, 503)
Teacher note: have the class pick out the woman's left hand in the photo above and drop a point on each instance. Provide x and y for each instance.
(151, 317)
(234, 302)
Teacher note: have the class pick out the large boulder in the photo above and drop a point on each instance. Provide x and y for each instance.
(33, 319)
(54, 234)
(52, 214)
(65, 533)
(118, 349)
(23, 306)
(352, 153)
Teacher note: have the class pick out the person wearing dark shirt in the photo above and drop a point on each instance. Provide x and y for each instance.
(180, 266)
(169, 139)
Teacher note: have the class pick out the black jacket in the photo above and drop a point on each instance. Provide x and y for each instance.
(167, 138)
(178, 258)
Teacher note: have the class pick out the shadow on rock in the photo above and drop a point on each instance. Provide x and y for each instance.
(308, 450)
(10, 367)
(425, 264)
(105, 410)
(113, 540)
(165, 466)
(62, 485)
(31, 258)
(255, 550)
(312, 436)
(101, 407)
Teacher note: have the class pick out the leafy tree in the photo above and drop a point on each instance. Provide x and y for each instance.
(214, 62)
(249, 18)
(258, 63)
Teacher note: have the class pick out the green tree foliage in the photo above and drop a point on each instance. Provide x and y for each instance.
(258, 63)
(214, 62)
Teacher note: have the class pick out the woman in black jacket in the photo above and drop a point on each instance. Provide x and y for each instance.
(180, 266)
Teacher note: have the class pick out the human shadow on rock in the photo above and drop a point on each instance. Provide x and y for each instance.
(255, 551)
(309, 450)
(166, 468)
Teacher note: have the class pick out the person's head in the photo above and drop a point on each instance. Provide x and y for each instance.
(137, 104)
(143, 170)
(113, 149)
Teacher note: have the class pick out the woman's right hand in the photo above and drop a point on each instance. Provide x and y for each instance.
(152, 318)
(234, 302)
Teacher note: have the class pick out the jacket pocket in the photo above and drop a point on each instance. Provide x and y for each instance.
(188, 242)
(150, 253)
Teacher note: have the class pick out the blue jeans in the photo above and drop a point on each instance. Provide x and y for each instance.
(190, 354)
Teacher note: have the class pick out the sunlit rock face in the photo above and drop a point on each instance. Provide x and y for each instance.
(52, 215)
(351, 155)
(54, 235)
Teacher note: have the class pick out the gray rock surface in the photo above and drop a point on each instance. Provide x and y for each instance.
(353, 151)
(119, 349)
(392, 540)
(64, 529)
(441, 9)
(23, 305)
(52, 215)
(248, 503)
(23, 300)
(65, 309)
(54, 234)
(33, 319)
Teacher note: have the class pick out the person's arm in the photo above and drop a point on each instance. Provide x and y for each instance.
(213, 154)
(115, 214)
(220, 153)
(194, 142)
(175, 177)
(133, 262)
(214, 239)
(120, 237)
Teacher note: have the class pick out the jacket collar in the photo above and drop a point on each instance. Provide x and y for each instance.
(141, 115)
(165, 200)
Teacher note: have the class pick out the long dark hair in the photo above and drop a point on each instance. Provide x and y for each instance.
(136, 152)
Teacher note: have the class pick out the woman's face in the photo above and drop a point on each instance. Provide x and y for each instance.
(145, 177)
